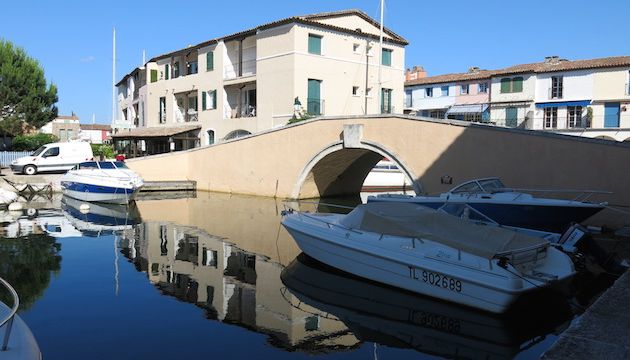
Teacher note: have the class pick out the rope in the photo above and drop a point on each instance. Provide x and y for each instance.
(617, 210)
(519, 275)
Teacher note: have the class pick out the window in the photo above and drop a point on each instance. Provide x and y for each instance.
(209, 257)
(551, 118)
(483, 88)
(574, 116)
(210, 137)
(444, 90)
(368, 92)
(437, 114)
(556, 87)
(464, 89)
(314, 44)
(512, 85)
(408, 99)
(162, 110)
(53, 151)
(69, 137)
(355, 90)
(167, 71)
(209, 100)
(192, 67)
(356, 48)
(472, 117)
(176, 69)
(154, 75)
(62, 135)
(386, 57)
(386, 101)
(209, 61)
(428, 92)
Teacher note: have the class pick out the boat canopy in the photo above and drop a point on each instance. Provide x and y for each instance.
(420, 222)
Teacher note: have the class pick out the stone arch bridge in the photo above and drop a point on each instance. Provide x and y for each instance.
(332, 156)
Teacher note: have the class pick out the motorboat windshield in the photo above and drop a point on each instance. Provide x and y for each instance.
(488, 185)
(103, 165)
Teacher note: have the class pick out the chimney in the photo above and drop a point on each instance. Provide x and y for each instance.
(555, 59)
(473, 69)
(417, 72)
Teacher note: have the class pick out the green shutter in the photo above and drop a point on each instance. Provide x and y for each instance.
(167, 72)
(517, 84)
(154, 76)
(386, 57)
(505, 85)
(214, 99)
(314, 44)
(203, 100)
(209, 61)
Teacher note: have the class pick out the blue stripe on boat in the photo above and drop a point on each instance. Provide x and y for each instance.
(96, 189)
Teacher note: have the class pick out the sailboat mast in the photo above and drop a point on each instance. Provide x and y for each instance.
(380, 90)
(114, 78)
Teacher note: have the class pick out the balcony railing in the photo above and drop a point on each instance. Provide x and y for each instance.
(388, 110)
(315, 106)
(191, 116)
(236, 70)
(241, 111)
(554, 93)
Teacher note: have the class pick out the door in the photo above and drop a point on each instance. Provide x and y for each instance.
(314, 102)
(611, 115)
(50, 160)
(511, 117)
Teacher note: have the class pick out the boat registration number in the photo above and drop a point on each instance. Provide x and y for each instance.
(442, 281)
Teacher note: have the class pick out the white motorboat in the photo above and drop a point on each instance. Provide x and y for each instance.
(16, 339)
(102, 181)
(509, 206)
(413, 247)
(386, 176)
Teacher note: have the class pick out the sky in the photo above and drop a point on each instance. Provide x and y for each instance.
(72, 39)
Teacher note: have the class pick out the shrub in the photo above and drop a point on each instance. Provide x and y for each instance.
(32, 142)
(107, 151)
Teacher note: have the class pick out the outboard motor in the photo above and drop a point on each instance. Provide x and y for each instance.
(578, 242)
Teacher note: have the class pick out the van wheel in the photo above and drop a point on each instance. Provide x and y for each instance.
(30, 170)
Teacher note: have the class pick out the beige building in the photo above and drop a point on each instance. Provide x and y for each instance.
(326, 64)
(64, 127)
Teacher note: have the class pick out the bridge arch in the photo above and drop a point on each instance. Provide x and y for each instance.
(339, 170)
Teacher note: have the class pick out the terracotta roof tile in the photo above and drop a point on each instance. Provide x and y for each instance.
(96, 127)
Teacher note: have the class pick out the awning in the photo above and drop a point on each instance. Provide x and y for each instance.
(563, 104)
(155, 132)
(467, 109)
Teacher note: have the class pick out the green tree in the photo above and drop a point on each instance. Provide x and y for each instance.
(25, 98)
(32, 142)
(107, 151)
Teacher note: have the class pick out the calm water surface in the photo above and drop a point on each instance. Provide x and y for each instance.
(217, 277)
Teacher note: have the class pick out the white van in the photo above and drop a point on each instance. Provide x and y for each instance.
(53, 157)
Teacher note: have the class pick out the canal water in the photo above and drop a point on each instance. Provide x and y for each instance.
(216, 276)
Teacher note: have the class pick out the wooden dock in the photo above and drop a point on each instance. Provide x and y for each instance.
(178, 185)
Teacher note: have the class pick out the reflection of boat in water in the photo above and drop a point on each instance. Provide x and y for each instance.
(510, 207)
(16, 339)
(416, 248)
(385, 176)
(398, 318)
(100, 216)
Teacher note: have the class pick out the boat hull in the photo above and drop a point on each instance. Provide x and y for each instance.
(419, 274)
(98, 193)
(551, 218)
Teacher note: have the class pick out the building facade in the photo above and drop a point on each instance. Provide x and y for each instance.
(95, 133)
(583, 97)
(257, 79)
(64, 127)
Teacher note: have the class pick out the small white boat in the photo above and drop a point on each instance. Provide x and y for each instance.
(511, 207)
(385, 176)
(16, 339)
(102, 181)
(413, 247)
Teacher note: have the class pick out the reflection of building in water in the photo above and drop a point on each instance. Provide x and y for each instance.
(36, 221)
(232, 285)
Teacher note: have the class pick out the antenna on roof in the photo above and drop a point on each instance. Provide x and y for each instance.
(144, 58)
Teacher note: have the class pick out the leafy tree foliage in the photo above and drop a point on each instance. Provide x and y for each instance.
(26, 263)
(107, 151)
(25, 98)
(32, 142)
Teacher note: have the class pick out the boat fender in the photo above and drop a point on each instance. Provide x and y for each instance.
(84, 208)
(15, 206)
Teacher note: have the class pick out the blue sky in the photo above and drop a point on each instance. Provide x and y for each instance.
(73, 39)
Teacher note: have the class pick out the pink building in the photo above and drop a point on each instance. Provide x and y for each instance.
(95, 133)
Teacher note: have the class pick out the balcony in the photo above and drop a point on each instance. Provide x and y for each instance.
(315, 106)
(239, 70)
(241, 102)
(186, 109)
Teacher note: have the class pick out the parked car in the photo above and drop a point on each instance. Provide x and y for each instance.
(53, 157)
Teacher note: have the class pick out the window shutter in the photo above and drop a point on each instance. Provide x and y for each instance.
(214, 99)
(505, 85)
(167, 71)
(517, 84)
(154, 75)
(203, 100)
(209, 61)
(386, 57)
(314, 44)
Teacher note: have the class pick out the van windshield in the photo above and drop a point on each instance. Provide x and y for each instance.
(39, 151)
